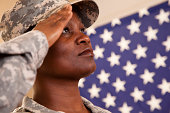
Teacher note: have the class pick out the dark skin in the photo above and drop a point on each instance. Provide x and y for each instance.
(69, 58)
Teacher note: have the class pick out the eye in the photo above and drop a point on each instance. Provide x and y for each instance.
(82, 30)
(66, 30)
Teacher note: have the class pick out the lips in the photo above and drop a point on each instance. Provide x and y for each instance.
(87, 52)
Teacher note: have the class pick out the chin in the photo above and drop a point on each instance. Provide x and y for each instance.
(89, 71)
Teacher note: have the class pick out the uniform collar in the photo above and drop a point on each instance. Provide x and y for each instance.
(30, 105)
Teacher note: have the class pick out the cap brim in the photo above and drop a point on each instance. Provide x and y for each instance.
(87, 10)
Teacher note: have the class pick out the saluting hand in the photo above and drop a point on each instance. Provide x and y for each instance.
(53, 26)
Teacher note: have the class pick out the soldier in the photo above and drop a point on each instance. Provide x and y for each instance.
(57, 47)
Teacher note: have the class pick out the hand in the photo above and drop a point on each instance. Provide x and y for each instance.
(53, 26)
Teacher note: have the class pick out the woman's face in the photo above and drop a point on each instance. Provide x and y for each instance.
(71, 56)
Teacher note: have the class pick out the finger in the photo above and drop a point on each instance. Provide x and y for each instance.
(64, 16)
(67, 7)
(64, 20)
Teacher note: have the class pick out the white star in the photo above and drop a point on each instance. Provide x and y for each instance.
(124, 44)
(90, 31)
(165, 87)
(147, 76)
(81, 82)
(103, 77)
(159, 61)
(98, 52)
(163, 17)
(119, 85)
(106, 36)
(94, 91)
(143, 12)
(130, 68)
(114, 59)
(125, 108)
(134, 27)
(151, 34)
(115, 21)
(140, 52)
(154, 103)
(109, 100)
(137, 95)
(167, 44)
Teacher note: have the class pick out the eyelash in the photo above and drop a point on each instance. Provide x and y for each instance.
(82, 30)
(67, 30)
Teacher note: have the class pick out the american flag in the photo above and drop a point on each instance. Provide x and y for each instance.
(132, 55)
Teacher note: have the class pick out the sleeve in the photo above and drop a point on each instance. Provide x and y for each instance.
(19, 60)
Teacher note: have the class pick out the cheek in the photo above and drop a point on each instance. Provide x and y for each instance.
(64, 61)
(62, 51)
(63, 57)
(85, 66)
(74, 67)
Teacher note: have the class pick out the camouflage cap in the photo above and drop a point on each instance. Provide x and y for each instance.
(27, 13)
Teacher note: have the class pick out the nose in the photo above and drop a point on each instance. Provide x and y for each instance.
(83, 39)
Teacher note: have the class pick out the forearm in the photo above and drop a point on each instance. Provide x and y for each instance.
(19, 60)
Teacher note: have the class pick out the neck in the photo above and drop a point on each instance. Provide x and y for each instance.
(58, 94)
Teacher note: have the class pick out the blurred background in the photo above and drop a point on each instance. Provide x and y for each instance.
(131, 42)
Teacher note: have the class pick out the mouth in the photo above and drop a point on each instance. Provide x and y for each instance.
(87, 52)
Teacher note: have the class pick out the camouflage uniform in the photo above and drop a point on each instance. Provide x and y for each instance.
(20, 57)
(19, 60)
(30, 106)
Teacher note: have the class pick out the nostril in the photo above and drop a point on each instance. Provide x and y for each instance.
(83, 39)
(83, 42)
